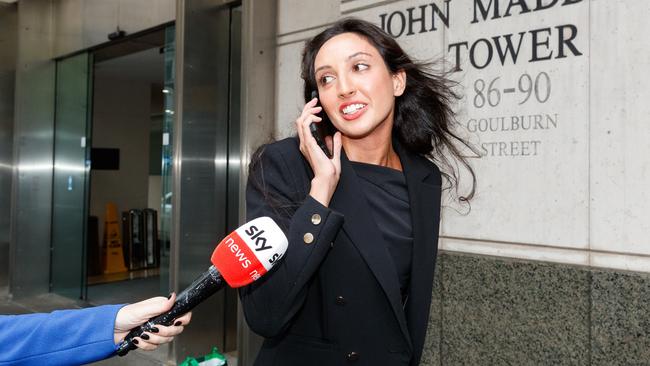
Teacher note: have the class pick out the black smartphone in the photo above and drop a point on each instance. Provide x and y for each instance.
(321, 129)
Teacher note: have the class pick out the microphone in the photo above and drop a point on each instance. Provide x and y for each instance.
(239, 259)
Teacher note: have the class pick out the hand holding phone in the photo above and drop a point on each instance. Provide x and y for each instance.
(319, 129)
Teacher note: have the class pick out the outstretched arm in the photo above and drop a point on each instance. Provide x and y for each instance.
(79, 336)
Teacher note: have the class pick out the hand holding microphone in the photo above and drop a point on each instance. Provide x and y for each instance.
(240, 258)
(136, 314)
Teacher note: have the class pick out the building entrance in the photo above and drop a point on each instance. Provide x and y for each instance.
(131, 106)
(110, 222)
(151, 143)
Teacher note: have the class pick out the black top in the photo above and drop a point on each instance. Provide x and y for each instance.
(387, 194)
(323, 300)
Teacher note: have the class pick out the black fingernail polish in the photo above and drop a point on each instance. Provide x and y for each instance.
(178, 323)
(135, 341)
(154, 330)
(169, 296)
(145, 336)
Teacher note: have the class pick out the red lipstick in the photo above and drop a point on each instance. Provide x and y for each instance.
(357, 112)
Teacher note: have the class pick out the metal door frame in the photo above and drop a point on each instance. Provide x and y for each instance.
(203, 162)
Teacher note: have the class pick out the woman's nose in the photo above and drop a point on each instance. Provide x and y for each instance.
(345, 88)
(346, 94)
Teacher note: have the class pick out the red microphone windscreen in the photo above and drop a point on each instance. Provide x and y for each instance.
(250, 251)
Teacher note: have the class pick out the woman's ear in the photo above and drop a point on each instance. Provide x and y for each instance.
(399, 83)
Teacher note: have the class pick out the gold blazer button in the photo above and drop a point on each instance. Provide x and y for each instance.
(315, 219)
(308, 238)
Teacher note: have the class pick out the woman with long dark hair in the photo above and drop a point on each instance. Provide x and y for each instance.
(355, 284)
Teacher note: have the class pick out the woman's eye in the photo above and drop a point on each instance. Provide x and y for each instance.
(360, 67)
(326, 79)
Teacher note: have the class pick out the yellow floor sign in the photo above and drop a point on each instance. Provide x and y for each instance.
(113, 255)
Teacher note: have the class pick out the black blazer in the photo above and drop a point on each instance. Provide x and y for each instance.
(335, 297)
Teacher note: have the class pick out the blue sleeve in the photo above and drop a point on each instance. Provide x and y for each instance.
(65, 337)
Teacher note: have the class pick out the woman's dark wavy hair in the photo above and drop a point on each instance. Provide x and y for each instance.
(424, 120)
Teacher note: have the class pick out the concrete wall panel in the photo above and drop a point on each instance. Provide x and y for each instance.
(619, 164)
(288, 88)
(81, 24)
(529, 118)
(297, 15)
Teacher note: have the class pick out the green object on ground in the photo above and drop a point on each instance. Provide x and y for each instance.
(214, 358)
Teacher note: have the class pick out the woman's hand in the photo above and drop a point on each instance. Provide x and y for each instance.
(326, 171)
(134, 315)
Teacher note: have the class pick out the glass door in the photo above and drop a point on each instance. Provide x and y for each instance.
(70, 181)
(167, 156)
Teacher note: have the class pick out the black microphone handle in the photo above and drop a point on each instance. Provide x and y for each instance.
(203, 287)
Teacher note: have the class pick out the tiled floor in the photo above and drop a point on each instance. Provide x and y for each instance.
(127, 292)
(36, 304)
(121, 276)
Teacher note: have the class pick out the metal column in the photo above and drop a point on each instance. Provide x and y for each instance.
(257, 116)
(8, 38)
(203, 161)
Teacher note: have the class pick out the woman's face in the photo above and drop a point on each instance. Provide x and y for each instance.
(355, 87)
